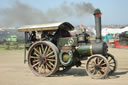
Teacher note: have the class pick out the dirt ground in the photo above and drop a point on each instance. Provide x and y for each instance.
(13, 71)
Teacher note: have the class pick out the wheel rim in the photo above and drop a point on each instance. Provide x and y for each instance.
(42, 59)
(112, 63)
(97, 67)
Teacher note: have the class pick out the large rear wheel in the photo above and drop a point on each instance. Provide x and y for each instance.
(43, 58)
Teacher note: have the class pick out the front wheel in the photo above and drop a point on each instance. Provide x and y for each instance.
(97, 67)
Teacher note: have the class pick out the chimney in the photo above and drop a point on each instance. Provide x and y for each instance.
(97, 15)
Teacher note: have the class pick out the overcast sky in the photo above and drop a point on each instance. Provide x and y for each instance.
(113, 11)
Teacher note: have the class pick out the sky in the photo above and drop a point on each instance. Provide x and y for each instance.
(113, 11)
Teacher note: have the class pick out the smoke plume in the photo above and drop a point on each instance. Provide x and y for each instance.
(22, 14)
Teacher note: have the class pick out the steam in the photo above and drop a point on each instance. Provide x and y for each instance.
(23, 14)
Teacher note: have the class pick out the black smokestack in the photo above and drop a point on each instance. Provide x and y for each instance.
(97, 14)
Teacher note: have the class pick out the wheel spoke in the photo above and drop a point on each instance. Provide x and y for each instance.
(34, 57)
(51, 59)
(110, 69)
(35, 61)
(94, 61)
(110, 60)
(49, 66)
(42, 47)
(98, 59)
(37, 51)
(40, 70)
(91, 69)
(103, 69)
(35, 64)
(91, 66)
(40, 67)
(101, 61)
(44, 68)
(40, 50)
(112, 63)
(103, 64)
(36, 68)
(50, 53)
(36, 54)
(94, 71)
(52, 56)
(47, 51)
(99, 73)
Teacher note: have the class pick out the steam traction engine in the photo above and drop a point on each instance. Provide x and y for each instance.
(52, 49)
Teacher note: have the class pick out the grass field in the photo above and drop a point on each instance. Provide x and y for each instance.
(12, 47)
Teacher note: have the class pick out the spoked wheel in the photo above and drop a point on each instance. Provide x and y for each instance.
(62, 70)
(97, 67)
(43, 58)
(112, 63)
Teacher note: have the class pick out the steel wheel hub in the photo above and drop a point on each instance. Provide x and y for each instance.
(42, 58)
(97, 67)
